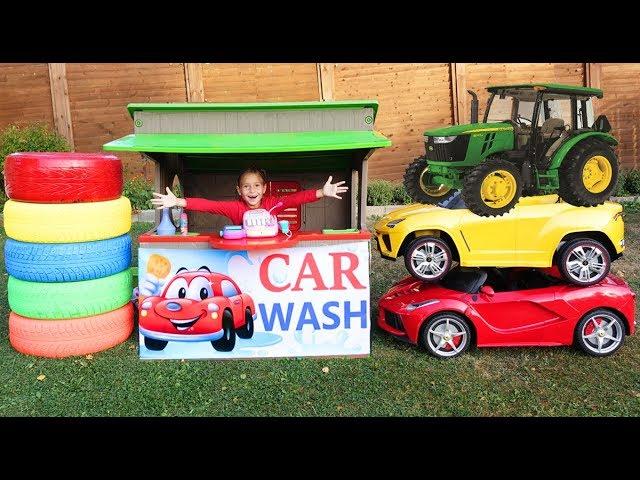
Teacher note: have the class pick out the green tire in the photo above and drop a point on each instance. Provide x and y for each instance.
(57, 301)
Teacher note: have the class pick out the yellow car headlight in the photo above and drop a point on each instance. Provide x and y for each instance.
(393, 223)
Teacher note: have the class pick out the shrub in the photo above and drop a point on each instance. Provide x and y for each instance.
(384, 192)
(139, 191)
(632, 182)
(400, 195)
(621, 187)
(631, 207)
(33, 137)
(380, 192)
(3, 199)
(177, 190)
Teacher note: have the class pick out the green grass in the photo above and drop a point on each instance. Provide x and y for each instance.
(395, 380)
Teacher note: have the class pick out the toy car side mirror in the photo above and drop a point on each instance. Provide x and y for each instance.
(487, 290)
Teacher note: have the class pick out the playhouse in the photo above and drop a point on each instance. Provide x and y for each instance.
(298, 295)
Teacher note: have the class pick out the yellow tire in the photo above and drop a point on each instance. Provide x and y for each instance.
(67, 222)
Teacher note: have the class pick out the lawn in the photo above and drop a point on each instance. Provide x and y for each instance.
(395, 380)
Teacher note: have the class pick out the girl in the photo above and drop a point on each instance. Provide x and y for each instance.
(251, 188)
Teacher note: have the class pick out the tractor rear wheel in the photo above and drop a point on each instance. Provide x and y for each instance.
(418, 184)
(588, 173)
(492, 188)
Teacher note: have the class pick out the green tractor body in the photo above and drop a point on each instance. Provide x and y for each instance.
(534, 139)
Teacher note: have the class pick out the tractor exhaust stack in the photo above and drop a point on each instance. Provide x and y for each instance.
(474, 106)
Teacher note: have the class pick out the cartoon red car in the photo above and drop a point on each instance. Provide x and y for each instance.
(197, 306)
(493, 307)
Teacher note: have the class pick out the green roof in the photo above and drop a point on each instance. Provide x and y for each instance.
(210, 107)
(553, 88)
(248, 142)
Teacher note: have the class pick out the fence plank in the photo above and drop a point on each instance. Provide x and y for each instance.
(194, 83)
(327, 80)
(60, 101)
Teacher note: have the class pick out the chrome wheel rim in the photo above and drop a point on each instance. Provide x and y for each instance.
(429, 260)
(447, 337)
(586, 263)
(602, 333)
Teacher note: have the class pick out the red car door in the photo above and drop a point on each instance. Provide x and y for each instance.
(522, 317)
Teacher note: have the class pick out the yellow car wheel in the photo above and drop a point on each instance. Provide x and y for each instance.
(492, 188)
(588, 174)
(67, 222)
(584, 261)
(420, 187)
(428, 258)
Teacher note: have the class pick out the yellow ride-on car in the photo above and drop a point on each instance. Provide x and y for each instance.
(539, 232)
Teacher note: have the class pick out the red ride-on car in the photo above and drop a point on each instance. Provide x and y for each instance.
(197, 306)
(493, 307)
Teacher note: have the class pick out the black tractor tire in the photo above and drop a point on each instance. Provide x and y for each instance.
(472, 195)
(572, 187)
(414, 176)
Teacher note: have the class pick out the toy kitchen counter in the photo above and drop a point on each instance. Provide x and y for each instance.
(305, 294)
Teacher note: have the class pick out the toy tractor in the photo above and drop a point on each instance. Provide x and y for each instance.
(534, 139)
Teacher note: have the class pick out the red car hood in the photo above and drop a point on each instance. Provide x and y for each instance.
(410, 290)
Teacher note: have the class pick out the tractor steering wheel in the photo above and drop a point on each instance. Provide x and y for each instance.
(519, 122)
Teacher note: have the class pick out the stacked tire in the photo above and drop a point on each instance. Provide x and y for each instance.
(68, 254)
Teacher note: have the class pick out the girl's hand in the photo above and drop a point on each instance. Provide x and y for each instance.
(332, 190)
(167, 201)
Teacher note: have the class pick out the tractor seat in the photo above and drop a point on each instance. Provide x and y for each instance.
(550, 126)
(555, 145)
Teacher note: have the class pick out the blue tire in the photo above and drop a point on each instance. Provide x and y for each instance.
(67, 262)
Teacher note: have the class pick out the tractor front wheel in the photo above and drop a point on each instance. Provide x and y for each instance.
(419, 186)
(492, 187)
(588, 173)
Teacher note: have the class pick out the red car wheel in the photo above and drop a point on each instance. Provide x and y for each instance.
(584, 262)
(154, 344)
(247, 329)
(428, 259)
(62, 177)
(446, 335)
(600, 333)
(228, 340)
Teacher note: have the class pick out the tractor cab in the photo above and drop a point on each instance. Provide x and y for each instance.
(543, 117)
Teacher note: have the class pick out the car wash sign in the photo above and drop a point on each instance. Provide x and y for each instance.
(293, 302)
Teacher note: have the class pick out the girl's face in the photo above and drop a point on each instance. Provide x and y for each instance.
(251, 189)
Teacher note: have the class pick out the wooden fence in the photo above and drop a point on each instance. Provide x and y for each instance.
(87, 102)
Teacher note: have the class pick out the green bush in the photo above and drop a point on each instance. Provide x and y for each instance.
(177, 190)
(380, 192)
(33, 137)
(632, 182)
(3, 199)
(400, 195)
(384, 192)
(621, 188)
(139, 191)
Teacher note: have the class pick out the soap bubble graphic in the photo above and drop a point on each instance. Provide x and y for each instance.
(278, 274)
(315, 341)
(240, 268)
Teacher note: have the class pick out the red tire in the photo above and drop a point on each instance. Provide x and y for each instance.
(62, 177)
(66, 338)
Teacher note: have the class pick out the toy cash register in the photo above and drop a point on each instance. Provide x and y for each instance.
(255, 223)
